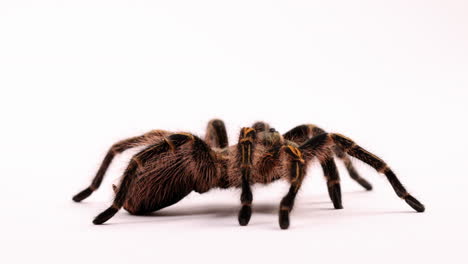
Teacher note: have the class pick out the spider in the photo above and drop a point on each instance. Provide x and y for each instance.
(174, 164)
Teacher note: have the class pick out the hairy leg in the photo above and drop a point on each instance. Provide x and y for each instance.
(260, 126)
(301, 134)
(318, 146)
(296, 175)
(119, 147)
(245, 149)
(351, 170)
(216, 135)
(333, 180)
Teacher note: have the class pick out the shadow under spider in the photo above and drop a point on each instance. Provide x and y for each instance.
(220, 210)
(225, 210)
(231, 210)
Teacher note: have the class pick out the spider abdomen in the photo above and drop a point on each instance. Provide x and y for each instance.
(164, 179)
(158, 187)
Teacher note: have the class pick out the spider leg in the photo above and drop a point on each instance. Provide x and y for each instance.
(296, 176)
(245, 149)
(351, 170)
(138, 162)
(333, 180)
(301, 134)
(216, 135)
(260, 126)
(117, 148)
(318, 145)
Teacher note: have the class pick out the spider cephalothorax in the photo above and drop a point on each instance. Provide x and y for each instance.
(174, 164)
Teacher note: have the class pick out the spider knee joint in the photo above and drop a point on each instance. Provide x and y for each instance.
(383, 169)
(333, 182)
(344, 142)
(295, 153)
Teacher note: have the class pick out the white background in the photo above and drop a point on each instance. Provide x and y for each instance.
(76, 76)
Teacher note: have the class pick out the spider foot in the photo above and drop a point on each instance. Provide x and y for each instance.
(82, 195)
(415, 204)
(284, 219)
(335, 196)
(244, 215)
(364, 184)
(104, 216)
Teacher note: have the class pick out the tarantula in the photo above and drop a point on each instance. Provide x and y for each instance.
(174, 164)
